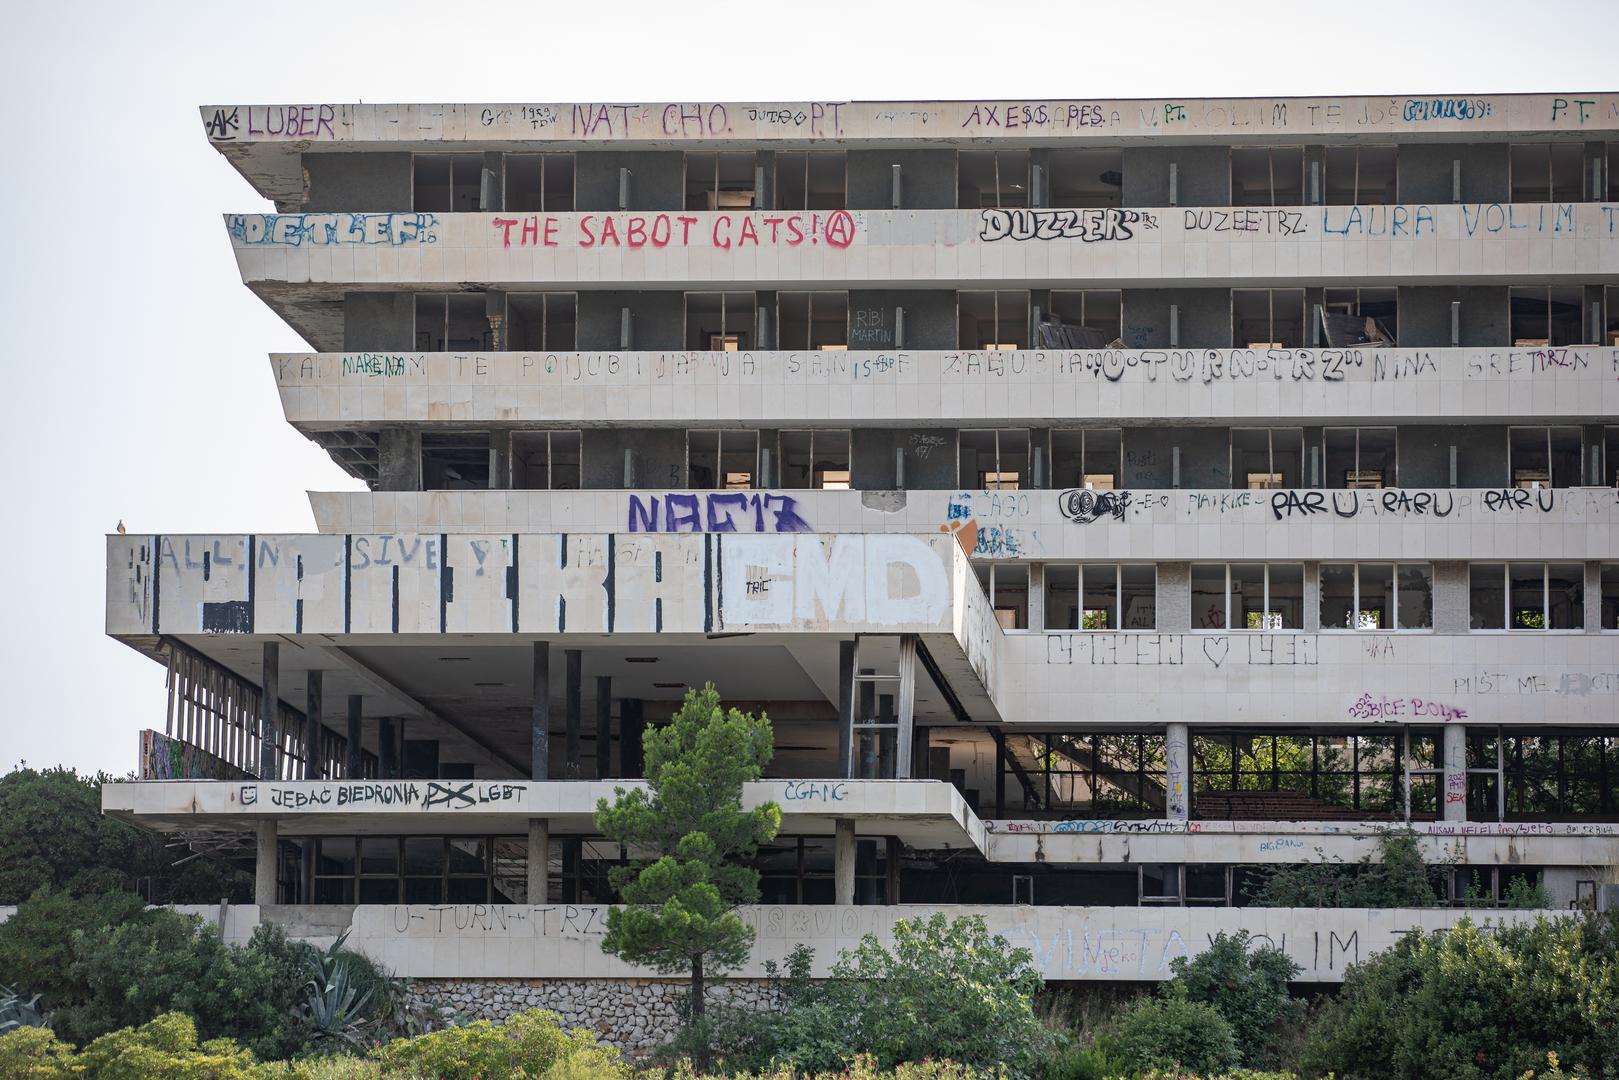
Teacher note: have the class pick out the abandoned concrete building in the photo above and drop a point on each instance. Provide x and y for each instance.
(1107, 500)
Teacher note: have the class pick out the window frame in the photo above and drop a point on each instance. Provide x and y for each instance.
(815, 434)
(550, 458)
(998, 471)
(719, 457)
(1507, 613)
(1356, 607)
(1265, 606)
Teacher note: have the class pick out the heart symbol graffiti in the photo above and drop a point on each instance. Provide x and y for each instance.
(1217, 649)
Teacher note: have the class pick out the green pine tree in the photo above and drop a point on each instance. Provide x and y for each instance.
(687, 834)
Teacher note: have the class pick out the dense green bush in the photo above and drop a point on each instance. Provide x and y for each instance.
(1248, 987)
(1392, 876)
(1169, 1032)
(529, 1044)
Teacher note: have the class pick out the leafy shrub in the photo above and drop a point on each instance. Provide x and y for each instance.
(35, 1053)
(1075, 1062)
(1392, 876)
(1173, 1031)
(37, 942)
(524, 1045)
(1247, 987)
(167, 1047)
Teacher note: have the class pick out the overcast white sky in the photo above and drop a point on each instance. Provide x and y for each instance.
(138, 383)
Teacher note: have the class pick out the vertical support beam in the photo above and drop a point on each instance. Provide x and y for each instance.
(906, 740)
(352, 766)
(881, 742)
(1000, 776)
(891, 862)
(571, 709)
(539, 861)
(270, 704)
(1455, 763)
(264, 862)
(865, 713)
(631, 758)
(843, 853)
(845, 769)
(604, 727)
(387, 750)
(1177, 776)
(312, 726)
(539, 733)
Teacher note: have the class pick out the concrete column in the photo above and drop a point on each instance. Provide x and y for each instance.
(539, 734)
(269, 704)
(1455, 762)
(387, 750)
(1177, 773)
(571, 709)
(352, 766)
(604, 727)
(539, 861)
(845, 766)
(312, 726)
(399, 459)
(264, 863)
(843, 855)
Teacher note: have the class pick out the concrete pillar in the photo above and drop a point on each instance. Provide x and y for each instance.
(1177, 773)
(539, 733)
(387, 750)
(269, 706)
(604, 727)
(264, 863)
(845, 766)
(539, 861)
(312, 726)
(1455, 762)
(843, 855)
(571, 710)
(352, 766)
(399, 459)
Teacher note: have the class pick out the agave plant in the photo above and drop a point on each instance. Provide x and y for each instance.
(17, 1011)
(334, 1008)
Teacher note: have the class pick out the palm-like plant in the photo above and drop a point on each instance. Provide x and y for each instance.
(333, 1006)
(17, 1011)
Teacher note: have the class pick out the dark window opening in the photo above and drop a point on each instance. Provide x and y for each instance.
(720, 322)
(811, 180)
(722, 459)
(457, 322)
(1360, 317)
(543, 322)
(992, 178)
(1248, 596)
(1546, 316)
(1267, 318)
(813, 320)
(1376, 596)
(1271, 176)
(1264, 458)
(545, 460)
(1085, 178)
(720, 181)
(447, 183)
(1547, 172)
(455, 462)
(1360, 458)
(994, 459)
(815, 459)
(1360, 175)
(1084, 319)
(1087, 458)
(1527, 596)
(1543, 457)
(1007, 587)
(541, 183)
(993, 320)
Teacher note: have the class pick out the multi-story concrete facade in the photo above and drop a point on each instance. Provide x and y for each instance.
(1105, 499)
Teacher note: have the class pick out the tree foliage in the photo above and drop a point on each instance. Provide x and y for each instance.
(686, 833)
(1394, 876)
(1247, 986)
(1171, 1032)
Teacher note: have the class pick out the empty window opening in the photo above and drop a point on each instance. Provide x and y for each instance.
(545, 460)
(1377, 596)
(1248, 596)
(447, 183)
(1101, 596)
(1547, 172)
(1087, 458)
(720, 322)
(1007, 587)
(722, 459)
(1085, 178)
(1263, 458)
(1610, 596)
(1543, 457)
(545, 322)
(1084, 319)
(812, 180)
(1267, 176)
(720, 181)
(456, 462)
(813, 320)
(1267, 318)
(456, 322)
(1610, 315)
(1360, 457)
(815, 459)
(1608, 468)
(1546, 315)
(993, 320)
(1360, 175)
(992, 178)
(995, 459)
(1360, 317)
(1527, 596)
(539, 182)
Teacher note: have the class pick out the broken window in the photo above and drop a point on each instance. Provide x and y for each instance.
(1546, 315)
(1007, 587)
(815, 459)
(1543, 457)
(1267, 318)
(1360, 175)
(811, 180)
(1377, 596)
(1267, 176)
(457, 322)
(1547, 172)
(1358, 457)
(1560, 774)
(447, 183)
(456, 462)
(1353, 771)
(1085, 178)
(722, 459)
(995, 459)
(720, 322)
(1610, 596)
(1084, 319)
(1248, 596)
(813, 320)
(1360, 317)
(543, 322)
(1263, 458)
(539, 182)
(1087, 458)
(545, 460)
(992, 178)
(1101, 596)
(993, 320)
(1527, 596)
(720, 181)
